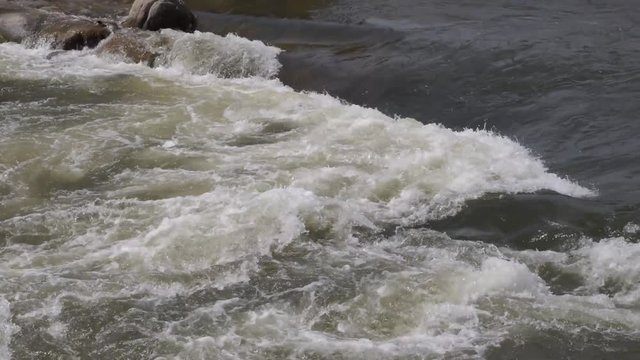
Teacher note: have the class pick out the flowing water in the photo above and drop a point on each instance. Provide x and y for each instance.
(210, 208)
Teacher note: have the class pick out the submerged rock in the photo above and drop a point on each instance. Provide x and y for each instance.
(132, 47)
(161, 14)
(73, 33)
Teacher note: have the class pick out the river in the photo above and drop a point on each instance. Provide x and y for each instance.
(406, 179)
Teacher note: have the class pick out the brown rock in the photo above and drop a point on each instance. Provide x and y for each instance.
(73, 33)
(127, 47)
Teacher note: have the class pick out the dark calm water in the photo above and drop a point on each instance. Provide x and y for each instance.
(381, 180)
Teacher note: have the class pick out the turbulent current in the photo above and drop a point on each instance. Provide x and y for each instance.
(203, 210)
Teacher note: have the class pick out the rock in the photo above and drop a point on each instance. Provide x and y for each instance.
(127, 47)
(138, 13)
(166, 14)
(73, 33)
(160, 14)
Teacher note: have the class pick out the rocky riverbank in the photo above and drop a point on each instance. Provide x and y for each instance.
(39, 26)
(76, 24)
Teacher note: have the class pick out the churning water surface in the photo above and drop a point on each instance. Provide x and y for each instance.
(204, 210)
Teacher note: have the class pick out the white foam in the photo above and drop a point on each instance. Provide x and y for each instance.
(7, 328)
(612, 264)
(276, 328)
(242, 167)
(631, 228)
(611, 260)
(229, 56)
(205, 175)
(498, 276)
(437, 307)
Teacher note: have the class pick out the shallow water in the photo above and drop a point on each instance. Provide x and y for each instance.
(205, 210)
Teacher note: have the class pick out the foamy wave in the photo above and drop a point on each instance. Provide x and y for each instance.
(196, 53)
(238, 147)
(631, 228)
(438, 297)
(156, 184)
(229, 56)
(611, 266)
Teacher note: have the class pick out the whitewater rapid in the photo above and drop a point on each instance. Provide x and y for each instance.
(203, 210)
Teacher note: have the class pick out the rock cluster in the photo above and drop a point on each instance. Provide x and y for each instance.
(63, 32)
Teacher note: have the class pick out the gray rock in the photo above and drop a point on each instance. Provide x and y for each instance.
(138, 13)
(160, 14)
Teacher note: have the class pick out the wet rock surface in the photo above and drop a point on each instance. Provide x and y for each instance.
(132, 47)
(161, 14)
(45, 24)
(73, 33)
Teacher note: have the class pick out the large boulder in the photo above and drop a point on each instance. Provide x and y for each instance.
(72, 33)
(160, 14)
